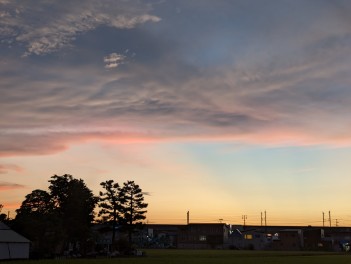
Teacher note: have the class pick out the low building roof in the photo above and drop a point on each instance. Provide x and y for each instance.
(7, 235)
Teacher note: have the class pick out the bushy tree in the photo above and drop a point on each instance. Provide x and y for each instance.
(74, 203)
(38, 202)
(64, 214)
(2, 216)
(35, 219)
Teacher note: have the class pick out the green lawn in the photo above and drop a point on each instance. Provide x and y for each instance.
(210, 256)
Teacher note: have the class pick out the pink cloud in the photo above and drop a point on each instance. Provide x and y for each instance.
(51, 143)
(4, 168)
(5, 186)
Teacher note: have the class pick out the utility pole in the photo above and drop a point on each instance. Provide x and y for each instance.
(330, 220)
(265, 218)
(187, 217)
(336, 222)
(323, 218)
(244, 217)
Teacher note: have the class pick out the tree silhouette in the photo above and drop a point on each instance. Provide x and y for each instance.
(110, 204)
(74, 203)
(2, 216)
(52, 219)
(133, 206)
(37, 202)
(35, 219)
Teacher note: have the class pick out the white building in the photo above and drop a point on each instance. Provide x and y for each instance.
(12, 244)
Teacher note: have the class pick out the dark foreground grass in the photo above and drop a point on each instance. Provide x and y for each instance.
(208, 257)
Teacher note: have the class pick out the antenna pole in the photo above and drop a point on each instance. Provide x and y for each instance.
(330, 220)
(244, 217)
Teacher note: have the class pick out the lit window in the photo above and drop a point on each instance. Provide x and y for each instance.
(202, 238)
(248, 236)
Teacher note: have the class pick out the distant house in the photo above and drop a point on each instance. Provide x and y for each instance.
(223, 236)
(162, 236)
(289, 239)
(253, 239)
(312, 238)
(336, 237)
(12, 244)
(203, 236)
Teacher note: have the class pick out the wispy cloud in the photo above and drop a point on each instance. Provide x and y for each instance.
(4, 186)
(5, 168)
(60, 23)
(113, 60)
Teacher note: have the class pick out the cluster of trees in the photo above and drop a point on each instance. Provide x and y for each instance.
(123, 205)
(65, 213)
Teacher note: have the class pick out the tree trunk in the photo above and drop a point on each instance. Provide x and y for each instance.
(113, 231)
(130, 228)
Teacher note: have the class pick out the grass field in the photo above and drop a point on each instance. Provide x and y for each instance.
(209, 257)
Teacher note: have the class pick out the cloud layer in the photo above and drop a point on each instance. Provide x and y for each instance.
(289, 85)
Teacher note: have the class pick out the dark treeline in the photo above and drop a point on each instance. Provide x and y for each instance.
(64, 214)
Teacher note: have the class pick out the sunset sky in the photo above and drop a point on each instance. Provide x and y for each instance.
(220, 107)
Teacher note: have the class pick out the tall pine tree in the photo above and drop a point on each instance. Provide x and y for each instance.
(110, 205)
(133, 206)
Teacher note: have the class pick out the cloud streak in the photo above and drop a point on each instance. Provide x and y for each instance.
(5, 186)
(5, 168)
